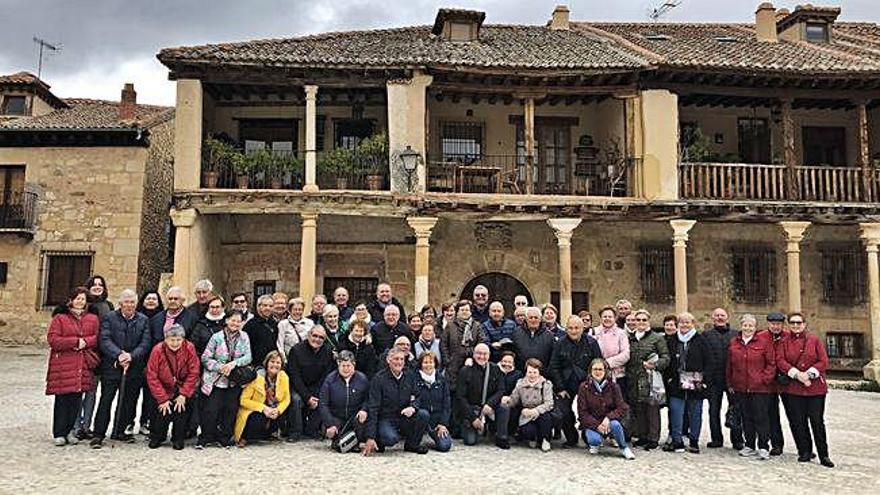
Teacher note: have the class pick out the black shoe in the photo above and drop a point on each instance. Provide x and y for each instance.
(123, 438)
(200, 445)
(738, 446)
(380, 448)
(826, 461)
(640, 442)
(776, 451)
(812, 455)
(227, 442)
(502, 443)
(557, 435)
(96, 443)
(177, 444)
(417, 449)
(191, 434)
(571, 443)
(714, 445)
(804, 458)
(293, 438)
(154, 443)
(694, 447)
(650, 445)
(84, 435)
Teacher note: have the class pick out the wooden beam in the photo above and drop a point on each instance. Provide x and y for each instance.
(771, 92)
(522, 89)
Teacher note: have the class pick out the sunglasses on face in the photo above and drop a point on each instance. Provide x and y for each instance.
(796, 322)
(239, 301)
(641, 319)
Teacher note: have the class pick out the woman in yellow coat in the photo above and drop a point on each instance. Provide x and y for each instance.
(263, 402)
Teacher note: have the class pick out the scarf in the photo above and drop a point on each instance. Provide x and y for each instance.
(467, 335)
(429, 379)
(686, 337)
(599, 385)
(77, 313)
(215, 318)
(685, 340)
(747, 340)
(639, 335)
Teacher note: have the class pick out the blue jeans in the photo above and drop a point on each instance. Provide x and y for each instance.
(502, 418)
(594, 439)
(390, 431)
(677, 408)
(440, 444)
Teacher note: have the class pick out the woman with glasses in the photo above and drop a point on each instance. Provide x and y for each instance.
(263, 402)
(685, 387)
(209, 323)
(601, 409)
(802, 358)
(649, 356)
(293, 329)
(361, 313)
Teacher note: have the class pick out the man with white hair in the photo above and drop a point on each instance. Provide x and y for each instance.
(319, 301)
(262, 330)
(389, 328)
(174, 312)
(533, 340)
(125, 344)
(478, 394)
(203, 290)
(624, 308)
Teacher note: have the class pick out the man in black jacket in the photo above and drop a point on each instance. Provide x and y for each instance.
(125, 344)
(478, 395)
(392, 411)
(203, 290)
(389, 328)
(715, 376)
(262, 330)
(568, 369)
(174, 312)
(532, 341)
(384, 298)
(308, 364)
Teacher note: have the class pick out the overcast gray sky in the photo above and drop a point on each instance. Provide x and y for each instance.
(108, 42)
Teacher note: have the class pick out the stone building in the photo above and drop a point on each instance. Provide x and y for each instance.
(86, 187)
(681, 166)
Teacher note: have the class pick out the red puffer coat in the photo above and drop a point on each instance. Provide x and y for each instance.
(167, 369)
(803, 351)
(751, 367)
(69, 370)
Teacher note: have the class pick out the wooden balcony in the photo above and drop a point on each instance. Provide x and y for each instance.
(18, 212)
(758, 182)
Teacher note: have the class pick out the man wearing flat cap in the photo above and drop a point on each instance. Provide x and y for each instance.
(776, 332)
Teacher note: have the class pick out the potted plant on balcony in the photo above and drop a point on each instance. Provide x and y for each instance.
(217, 155)
(286, 163)
(373, 157)
(262, 164)
(242, 164)
(339, 163)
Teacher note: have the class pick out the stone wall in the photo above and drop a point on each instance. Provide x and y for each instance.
(90, 199)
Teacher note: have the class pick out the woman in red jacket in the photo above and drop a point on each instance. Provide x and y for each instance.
(751, 367)
(73, 343)
(803, 359)
(172, 375)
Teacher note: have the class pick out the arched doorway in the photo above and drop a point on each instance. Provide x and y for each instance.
(502, 287)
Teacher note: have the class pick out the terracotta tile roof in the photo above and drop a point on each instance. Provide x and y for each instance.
(735, 47)
(499, 46)
(22, 77)
(855, 48)
(85, 114)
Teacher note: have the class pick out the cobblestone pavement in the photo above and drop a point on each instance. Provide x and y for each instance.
(30, 463)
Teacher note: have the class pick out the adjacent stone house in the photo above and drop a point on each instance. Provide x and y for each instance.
(85, 187)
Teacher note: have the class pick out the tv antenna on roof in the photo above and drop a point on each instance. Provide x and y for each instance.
(663, 9)
(44, 44)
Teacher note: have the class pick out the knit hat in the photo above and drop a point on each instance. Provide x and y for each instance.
(175, 330)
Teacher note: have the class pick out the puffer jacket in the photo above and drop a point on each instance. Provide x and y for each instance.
(69, 370)
(717, 342)
(639, 351)
(168, 370)
(339, 401)
(537, 396)
(594, 405)
(751, 367)
(434, 398)
(803, 352)
(120, 334)
(538, 345)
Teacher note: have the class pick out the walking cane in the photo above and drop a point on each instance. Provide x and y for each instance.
(119, 398)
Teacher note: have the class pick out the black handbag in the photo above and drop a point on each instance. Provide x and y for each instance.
(346, 440)
(242, 375)
(782, 379)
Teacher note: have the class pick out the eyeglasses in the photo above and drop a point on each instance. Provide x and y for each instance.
(796, 322)
(239, 301)
(641, 319)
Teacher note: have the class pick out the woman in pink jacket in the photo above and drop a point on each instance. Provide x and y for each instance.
(614, 343)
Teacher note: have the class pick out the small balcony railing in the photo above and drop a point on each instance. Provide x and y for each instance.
(18, 211)
(745, 181)
(506, 174)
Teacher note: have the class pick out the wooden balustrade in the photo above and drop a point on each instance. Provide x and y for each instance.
(745, 181)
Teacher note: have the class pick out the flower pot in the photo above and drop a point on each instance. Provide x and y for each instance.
(276, 183)
(374, 182)
(243, 181)
(342, 183)
(210, 179)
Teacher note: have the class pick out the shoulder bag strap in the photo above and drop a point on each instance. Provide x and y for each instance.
(485, 384)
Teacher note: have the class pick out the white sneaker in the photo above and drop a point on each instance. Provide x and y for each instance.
(144, 429)
(747, 452)
(60, 441)
(763, 454)
(129, 430)
(71, 439)
(627, 454)
(594, 449)
(545, 445)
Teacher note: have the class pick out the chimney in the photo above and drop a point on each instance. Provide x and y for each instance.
(765, 23)
(128, 103)
(560, 18)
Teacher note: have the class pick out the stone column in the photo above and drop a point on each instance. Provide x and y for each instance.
(563, 228)
(184, 240)
(188, 135)
(311, 139)
(529, 138)
(794, 234)
(407, 126)
(659, 131)
(422, 227)
(871, 237)
(680, 229)
(308, 257)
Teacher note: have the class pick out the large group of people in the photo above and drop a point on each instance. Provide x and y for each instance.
(366, 376)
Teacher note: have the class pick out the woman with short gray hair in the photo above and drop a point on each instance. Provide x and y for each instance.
(293, 329)
(751, 369)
